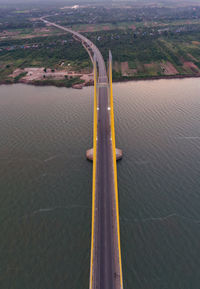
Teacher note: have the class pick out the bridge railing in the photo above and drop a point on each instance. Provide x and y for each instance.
(112, 123)
(94, 176)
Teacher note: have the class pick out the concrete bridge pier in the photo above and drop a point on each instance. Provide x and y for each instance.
(89, 154)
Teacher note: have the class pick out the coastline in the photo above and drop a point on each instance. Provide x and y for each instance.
(82, 85)
(139, 78)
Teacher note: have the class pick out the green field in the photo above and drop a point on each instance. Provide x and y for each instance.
(145, 43)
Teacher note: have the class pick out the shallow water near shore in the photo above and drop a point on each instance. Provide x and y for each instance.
(45, 184)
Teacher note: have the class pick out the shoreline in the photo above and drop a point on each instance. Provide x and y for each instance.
(177, 76)
(80, 86)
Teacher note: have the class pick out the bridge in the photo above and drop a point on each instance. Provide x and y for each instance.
(105, 261)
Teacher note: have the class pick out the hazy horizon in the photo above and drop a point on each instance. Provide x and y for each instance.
(78, 1)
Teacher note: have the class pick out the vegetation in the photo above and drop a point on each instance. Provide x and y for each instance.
(145, 41)
(18, 77)
(59, 83)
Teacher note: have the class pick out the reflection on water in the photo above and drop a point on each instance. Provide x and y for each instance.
(45, 185)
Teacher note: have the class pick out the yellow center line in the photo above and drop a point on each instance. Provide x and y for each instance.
(115, 169)
(94, 172)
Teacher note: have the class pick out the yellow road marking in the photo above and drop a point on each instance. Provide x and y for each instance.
(94, 172)
(115, 169)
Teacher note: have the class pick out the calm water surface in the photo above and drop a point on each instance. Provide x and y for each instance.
(45, 185)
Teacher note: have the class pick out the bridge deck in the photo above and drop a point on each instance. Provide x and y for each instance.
(105, 270)
(107, 273)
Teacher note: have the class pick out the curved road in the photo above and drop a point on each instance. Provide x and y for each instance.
(99, 57)
(106, 267)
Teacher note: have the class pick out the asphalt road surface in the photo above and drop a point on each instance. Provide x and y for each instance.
(105, 195)
(105, 251)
